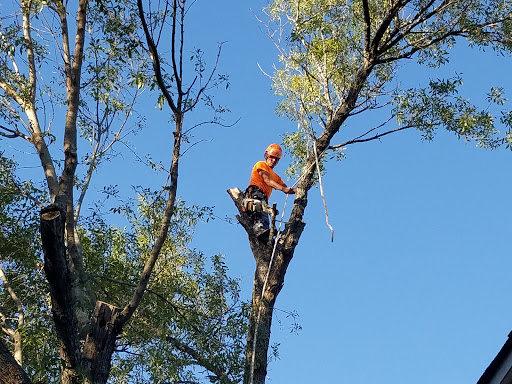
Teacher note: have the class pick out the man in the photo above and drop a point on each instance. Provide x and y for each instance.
(263, 180)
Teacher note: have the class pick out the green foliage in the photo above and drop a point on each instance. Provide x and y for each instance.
(190, 298)
(441, 105)
(324, 46)
(22, 265)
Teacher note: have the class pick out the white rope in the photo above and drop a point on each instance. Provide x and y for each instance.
(324, 201)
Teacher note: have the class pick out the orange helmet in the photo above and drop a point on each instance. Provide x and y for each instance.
(274, 150)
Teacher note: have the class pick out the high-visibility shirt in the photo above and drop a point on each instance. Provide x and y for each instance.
(258, 181)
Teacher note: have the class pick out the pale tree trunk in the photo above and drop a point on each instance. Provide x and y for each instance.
(15, 334)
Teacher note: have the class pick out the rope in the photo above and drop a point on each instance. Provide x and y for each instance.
(324, 201)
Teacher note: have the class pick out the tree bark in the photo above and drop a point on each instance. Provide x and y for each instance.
(10, 370)
(52, 223)
(272, 261)
(100, 343)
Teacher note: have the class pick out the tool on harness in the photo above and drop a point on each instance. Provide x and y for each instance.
(250, 204)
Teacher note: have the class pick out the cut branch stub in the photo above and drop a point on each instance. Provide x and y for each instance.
(238, 196)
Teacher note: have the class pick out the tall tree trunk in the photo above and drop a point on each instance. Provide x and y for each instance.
(260, 322)
(52, 223)
(272, 261)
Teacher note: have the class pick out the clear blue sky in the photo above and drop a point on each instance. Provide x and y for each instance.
(416, 286)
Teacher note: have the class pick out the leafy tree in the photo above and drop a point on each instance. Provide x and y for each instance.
(192, 316)
(96, 275)
(24, 310)
(340, 59)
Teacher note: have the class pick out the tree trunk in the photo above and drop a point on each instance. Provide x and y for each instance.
(260, 322)
(57, 270)
(272, 261)
(10, 371)
(100, 343)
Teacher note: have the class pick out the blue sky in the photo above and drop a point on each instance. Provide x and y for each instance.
(415, 286)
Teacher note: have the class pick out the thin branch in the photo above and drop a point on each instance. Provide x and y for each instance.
(212, 122)
(202, 361)
(202, 89)
(175, 68)
(356, 140)
(193, 145)
(155, 57)
(413, 50)
(13, 133)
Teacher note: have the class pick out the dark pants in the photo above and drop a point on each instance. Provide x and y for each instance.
(258, 217)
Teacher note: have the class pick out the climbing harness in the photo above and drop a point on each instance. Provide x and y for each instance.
(250, 204)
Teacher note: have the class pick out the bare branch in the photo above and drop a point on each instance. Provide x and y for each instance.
(211, 122)
(177, 70)
(203, 88)
(361, 140)
(201, 360)
(13, 133)
(155, 57)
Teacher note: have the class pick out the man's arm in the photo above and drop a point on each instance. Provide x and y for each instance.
(273, 184)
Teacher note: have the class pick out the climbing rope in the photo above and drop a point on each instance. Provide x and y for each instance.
(320, 184)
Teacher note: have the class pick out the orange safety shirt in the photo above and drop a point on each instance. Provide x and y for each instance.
(257, 179)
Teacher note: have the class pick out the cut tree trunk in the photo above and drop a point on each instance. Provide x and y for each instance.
(57, 267)
(272, 260)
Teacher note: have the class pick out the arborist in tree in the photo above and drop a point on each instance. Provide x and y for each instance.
(263, 180)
